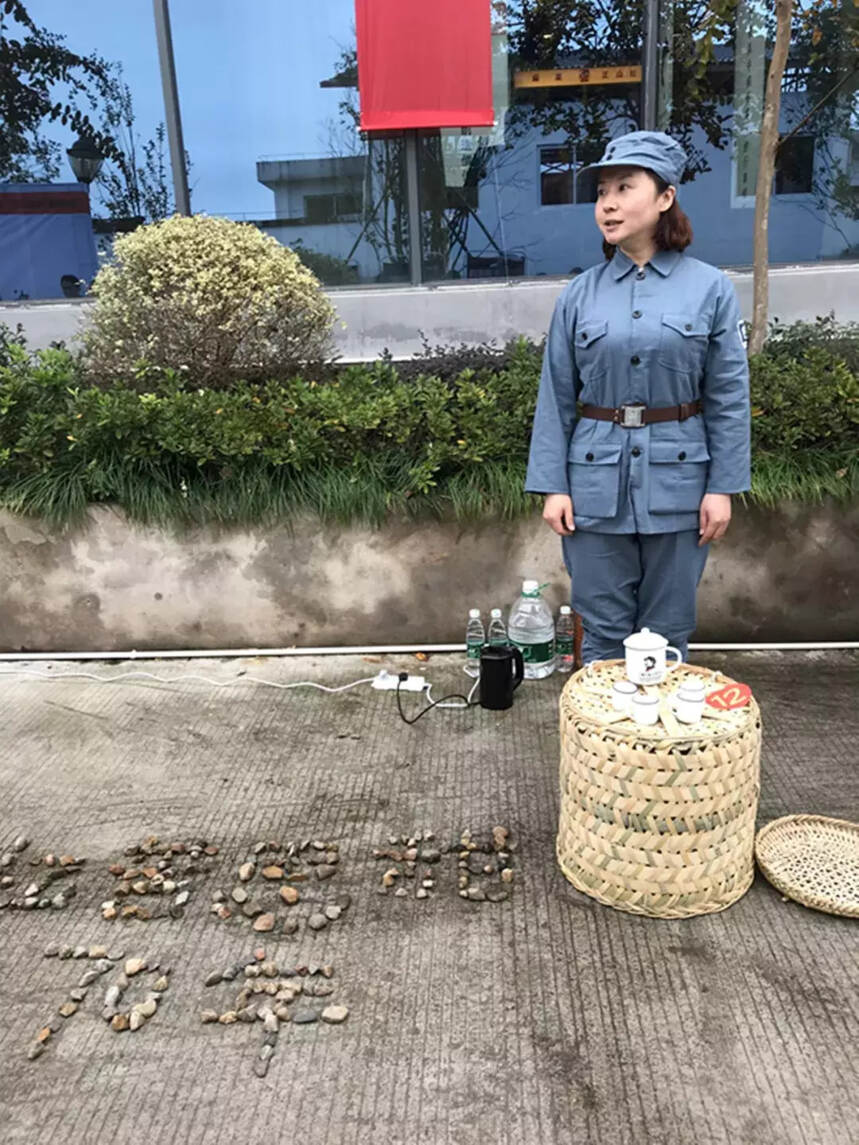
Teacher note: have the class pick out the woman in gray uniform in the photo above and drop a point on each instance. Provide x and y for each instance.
(650, 344)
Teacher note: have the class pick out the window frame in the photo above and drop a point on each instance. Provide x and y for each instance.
(574, 168)
(744, 202)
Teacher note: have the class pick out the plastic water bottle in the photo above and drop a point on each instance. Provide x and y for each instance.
(564, 637)
(531, 629)
(497, 628)
(474, 640)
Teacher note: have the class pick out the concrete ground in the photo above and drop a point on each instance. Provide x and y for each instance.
(546, 1018)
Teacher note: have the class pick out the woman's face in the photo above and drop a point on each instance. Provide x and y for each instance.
(628, 205)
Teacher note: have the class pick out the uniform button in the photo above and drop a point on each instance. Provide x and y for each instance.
(681, 456)
(590, 456)
(636, 313)
(639, 274)
(636, 452)
(688, 325)
(635, 359)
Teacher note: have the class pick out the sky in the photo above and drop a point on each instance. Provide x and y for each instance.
(248, 84)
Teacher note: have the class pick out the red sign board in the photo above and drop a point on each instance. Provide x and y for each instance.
(16, 202)
(424, 64)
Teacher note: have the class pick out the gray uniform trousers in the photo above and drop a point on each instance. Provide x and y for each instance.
(624, 582)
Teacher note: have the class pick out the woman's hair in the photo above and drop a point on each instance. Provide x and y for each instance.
(673, 231)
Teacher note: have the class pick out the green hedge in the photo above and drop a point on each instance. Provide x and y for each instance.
(359, 445)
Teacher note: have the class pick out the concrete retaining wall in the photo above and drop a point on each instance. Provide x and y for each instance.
(372, 319)
(786, 574)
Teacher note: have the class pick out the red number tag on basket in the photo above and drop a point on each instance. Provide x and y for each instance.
(731, 696)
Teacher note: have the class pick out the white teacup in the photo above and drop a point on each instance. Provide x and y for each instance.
(689, 702)
(646, 657)
(622, 692)
(644, 708)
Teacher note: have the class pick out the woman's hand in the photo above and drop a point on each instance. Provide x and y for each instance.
(558, 514)
(714, 517)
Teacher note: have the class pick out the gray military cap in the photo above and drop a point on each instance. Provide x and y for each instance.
(654, 150)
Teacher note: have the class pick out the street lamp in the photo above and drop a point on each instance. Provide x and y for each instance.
(85, 159)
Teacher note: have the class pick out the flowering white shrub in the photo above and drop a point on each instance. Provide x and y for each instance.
(217, 299)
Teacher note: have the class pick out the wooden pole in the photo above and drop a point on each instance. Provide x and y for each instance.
(766, 169)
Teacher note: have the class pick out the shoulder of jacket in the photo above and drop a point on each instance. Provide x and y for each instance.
(698, 266)
(579, 285)
(707, 272)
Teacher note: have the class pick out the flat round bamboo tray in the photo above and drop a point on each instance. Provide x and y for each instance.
(657, 820)
(813, 860)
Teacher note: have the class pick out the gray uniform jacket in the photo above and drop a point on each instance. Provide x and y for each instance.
(668, 333)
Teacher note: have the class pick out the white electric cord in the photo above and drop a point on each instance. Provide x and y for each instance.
(177, 679)
(456, 705)
(138, 675)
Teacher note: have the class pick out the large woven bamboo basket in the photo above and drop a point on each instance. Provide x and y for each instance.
(657, 820)
(814, 860)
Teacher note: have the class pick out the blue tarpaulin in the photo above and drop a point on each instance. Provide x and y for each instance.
(45, 236)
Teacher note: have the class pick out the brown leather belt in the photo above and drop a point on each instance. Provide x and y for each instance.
(635, 415)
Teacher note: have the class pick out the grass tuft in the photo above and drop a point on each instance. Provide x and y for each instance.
(367, 491)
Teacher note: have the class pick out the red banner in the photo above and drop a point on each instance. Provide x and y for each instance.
(424, 63)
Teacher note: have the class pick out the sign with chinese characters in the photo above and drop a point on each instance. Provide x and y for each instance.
(749, 83)
(275, 993)
(579, 77)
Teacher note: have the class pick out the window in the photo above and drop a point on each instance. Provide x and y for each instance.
(556, 176)
(331, 208)
(853, 162)
(558, 167)
(555, 101)
(465, 196)
(714, 95)
(319, 208)
(348, 204)
(794, 168)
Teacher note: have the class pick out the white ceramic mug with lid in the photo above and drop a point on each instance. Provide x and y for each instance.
(646, 657)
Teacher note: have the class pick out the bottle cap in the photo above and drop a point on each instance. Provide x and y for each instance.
(565, 610)
(495, 613)
(530, 587)
(474, 614)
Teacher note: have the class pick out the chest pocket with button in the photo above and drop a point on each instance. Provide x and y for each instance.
(678, 476)
(594, 471)
(683, 343)
(591, 348)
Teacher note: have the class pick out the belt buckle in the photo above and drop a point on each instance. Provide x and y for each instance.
(631, 416)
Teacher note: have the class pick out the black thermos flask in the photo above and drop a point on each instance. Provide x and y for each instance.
(501, 672)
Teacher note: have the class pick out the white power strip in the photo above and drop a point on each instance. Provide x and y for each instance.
(387, 681)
